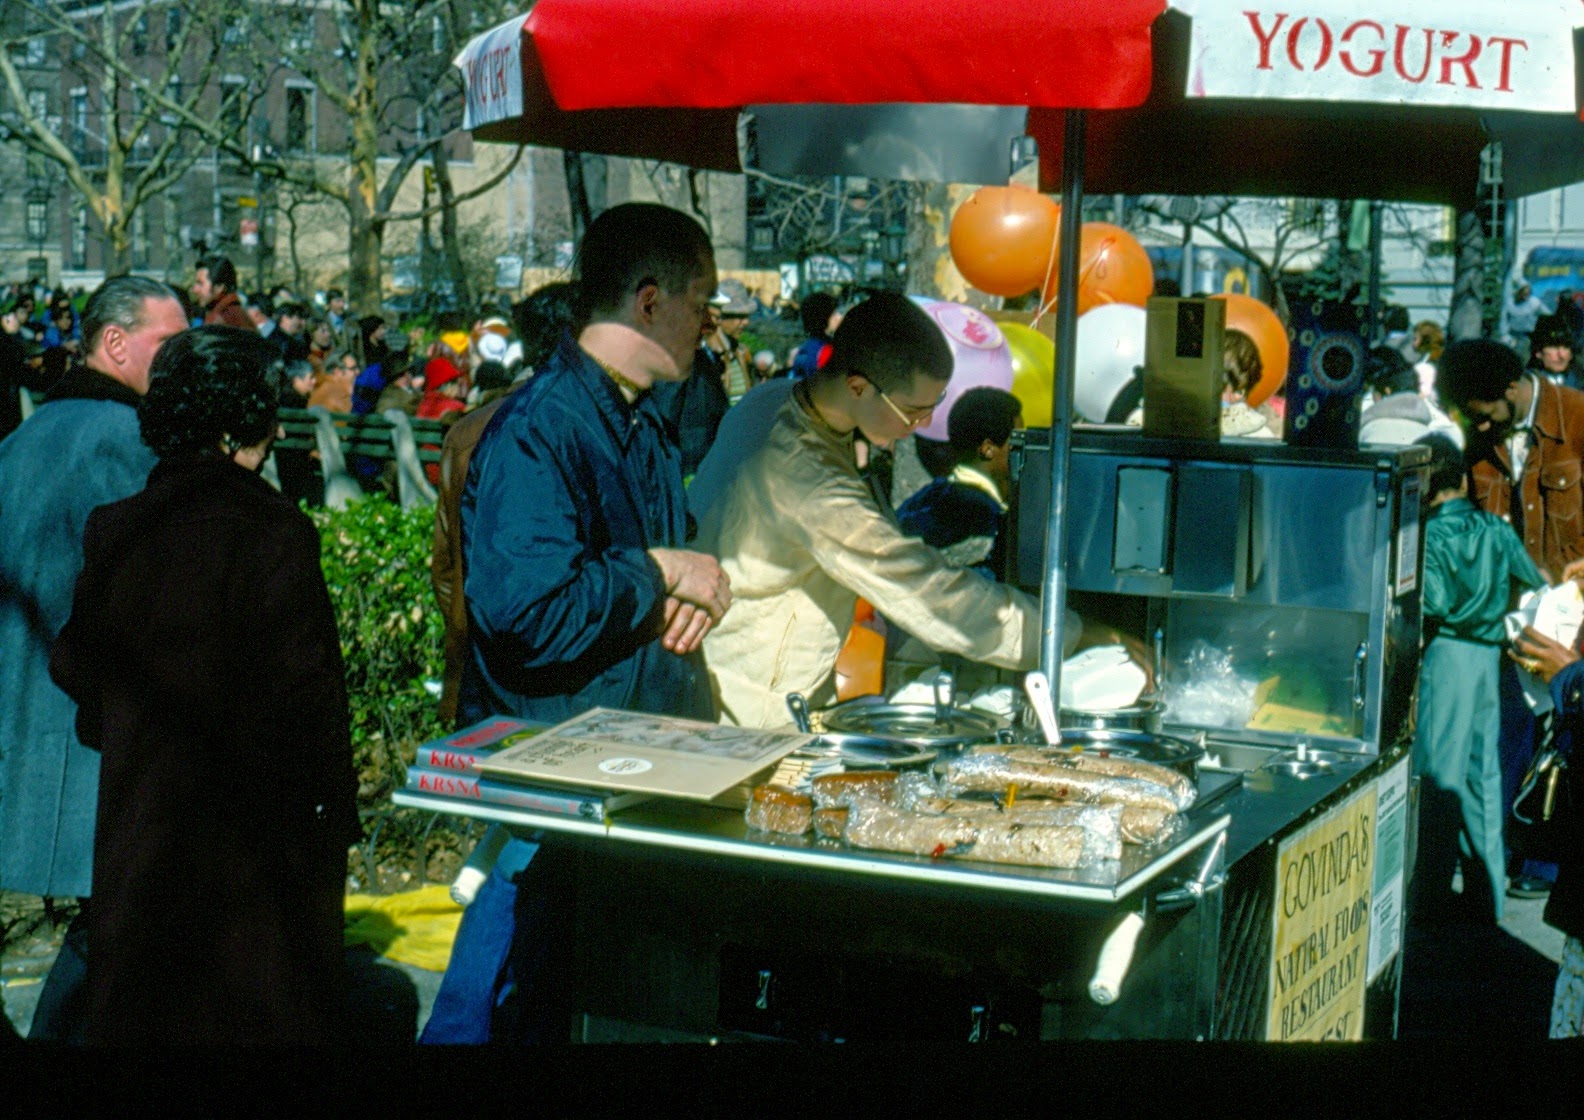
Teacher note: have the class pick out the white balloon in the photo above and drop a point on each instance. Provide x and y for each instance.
(1108, 352)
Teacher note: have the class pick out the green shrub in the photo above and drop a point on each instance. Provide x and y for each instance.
(376, 565)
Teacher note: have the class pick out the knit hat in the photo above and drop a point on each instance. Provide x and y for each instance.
(438, 372)
(1550, 330)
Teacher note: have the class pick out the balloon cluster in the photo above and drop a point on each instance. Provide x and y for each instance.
(1005, 241)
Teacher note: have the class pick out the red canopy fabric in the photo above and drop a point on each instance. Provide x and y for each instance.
(708, 54)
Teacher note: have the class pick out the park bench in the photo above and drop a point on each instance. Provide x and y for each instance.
(389, 437)
(337, 436)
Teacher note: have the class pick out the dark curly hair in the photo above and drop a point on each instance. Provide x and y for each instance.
(208, 385)
(543, 318)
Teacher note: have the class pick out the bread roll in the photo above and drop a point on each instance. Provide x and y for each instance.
(778, 809)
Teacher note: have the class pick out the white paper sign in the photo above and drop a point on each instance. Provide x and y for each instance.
(491, 66)
(1391, 851)
(1431, 52)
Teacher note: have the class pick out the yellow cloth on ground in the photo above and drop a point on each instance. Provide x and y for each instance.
(414, 927)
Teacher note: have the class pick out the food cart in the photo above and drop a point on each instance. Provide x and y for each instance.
(1277, 912)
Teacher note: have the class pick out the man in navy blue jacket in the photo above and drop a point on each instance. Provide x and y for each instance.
(579, 592)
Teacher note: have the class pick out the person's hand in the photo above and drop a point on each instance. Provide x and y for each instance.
(1574, 571)
(695, 578)
(685, 626)
(1540, 655)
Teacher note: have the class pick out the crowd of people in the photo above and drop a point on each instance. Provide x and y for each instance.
(634, 511)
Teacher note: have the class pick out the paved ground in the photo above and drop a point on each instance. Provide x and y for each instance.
(390, 1000)
(1459, 982)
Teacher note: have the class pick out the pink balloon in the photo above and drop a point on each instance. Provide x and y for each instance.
(980, 357)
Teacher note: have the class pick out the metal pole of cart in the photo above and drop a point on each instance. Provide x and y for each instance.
(1053, 602)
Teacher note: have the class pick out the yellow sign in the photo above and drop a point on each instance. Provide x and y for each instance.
(1320, 943)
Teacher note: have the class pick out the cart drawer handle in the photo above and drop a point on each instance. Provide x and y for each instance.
(1116, 956)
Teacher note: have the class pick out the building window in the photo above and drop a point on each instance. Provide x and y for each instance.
(300, 119)
(233, 107)
(140, 237)
(236, 31)
(1308, 215)
(38, 103)
(141, 141)
(304, 30)
(138, 35)
(79, 238)
(77, 103)
(173, 29)
(38, 220)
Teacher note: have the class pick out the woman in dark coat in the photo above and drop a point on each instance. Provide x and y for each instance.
(203, 655)
(1564, 669)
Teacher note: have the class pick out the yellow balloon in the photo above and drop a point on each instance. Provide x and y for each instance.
(1033, 371)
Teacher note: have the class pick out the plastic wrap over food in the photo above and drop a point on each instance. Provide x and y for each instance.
(912, 785)
(1103, 819)
(1208, 691)
(1133, 824)
(1179, 785)
(876, 825)
(997, 773)
(830, 824)
(832, 791)
(778, 809)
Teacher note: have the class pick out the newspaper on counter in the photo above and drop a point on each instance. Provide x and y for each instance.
(610, 749)
(1556, 612)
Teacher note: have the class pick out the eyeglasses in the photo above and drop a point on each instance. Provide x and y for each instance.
(907, 415)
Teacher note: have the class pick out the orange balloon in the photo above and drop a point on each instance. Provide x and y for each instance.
(1001, 239)
(1112, 268)
(1259, 322)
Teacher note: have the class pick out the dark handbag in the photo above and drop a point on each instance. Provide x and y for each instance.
(1542, 811)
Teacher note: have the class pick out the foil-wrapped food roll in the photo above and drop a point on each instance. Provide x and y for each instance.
(1181, 787)
(882, 827)
(997, 773)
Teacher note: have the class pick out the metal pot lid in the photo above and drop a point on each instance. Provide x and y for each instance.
(1146, 746)
(1143, 706)
(918, 725)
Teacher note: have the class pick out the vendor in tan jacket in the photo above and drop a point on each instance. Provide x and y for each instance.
(801, 536)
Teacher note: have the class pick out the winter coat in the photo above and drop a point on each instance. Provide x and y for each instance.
(202, 651)
(1552, 485)
(1565, 908)
(568, 489)
(79, 450)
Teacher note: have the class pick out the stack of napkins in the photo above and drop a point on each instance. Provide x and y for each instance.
(1101, 679)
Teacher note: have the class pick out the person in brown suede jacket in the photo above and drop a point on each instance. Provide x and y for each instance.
(541, 319)
(1525, 450)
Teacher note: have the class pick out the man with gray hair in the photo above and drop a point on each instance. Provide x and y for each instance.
(81, 449)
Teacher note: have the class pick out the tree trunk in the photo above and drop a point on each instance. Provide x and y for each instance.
(1466, 316)
(365, 237)
(117, 250)
(577, 195)
(450, 238)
